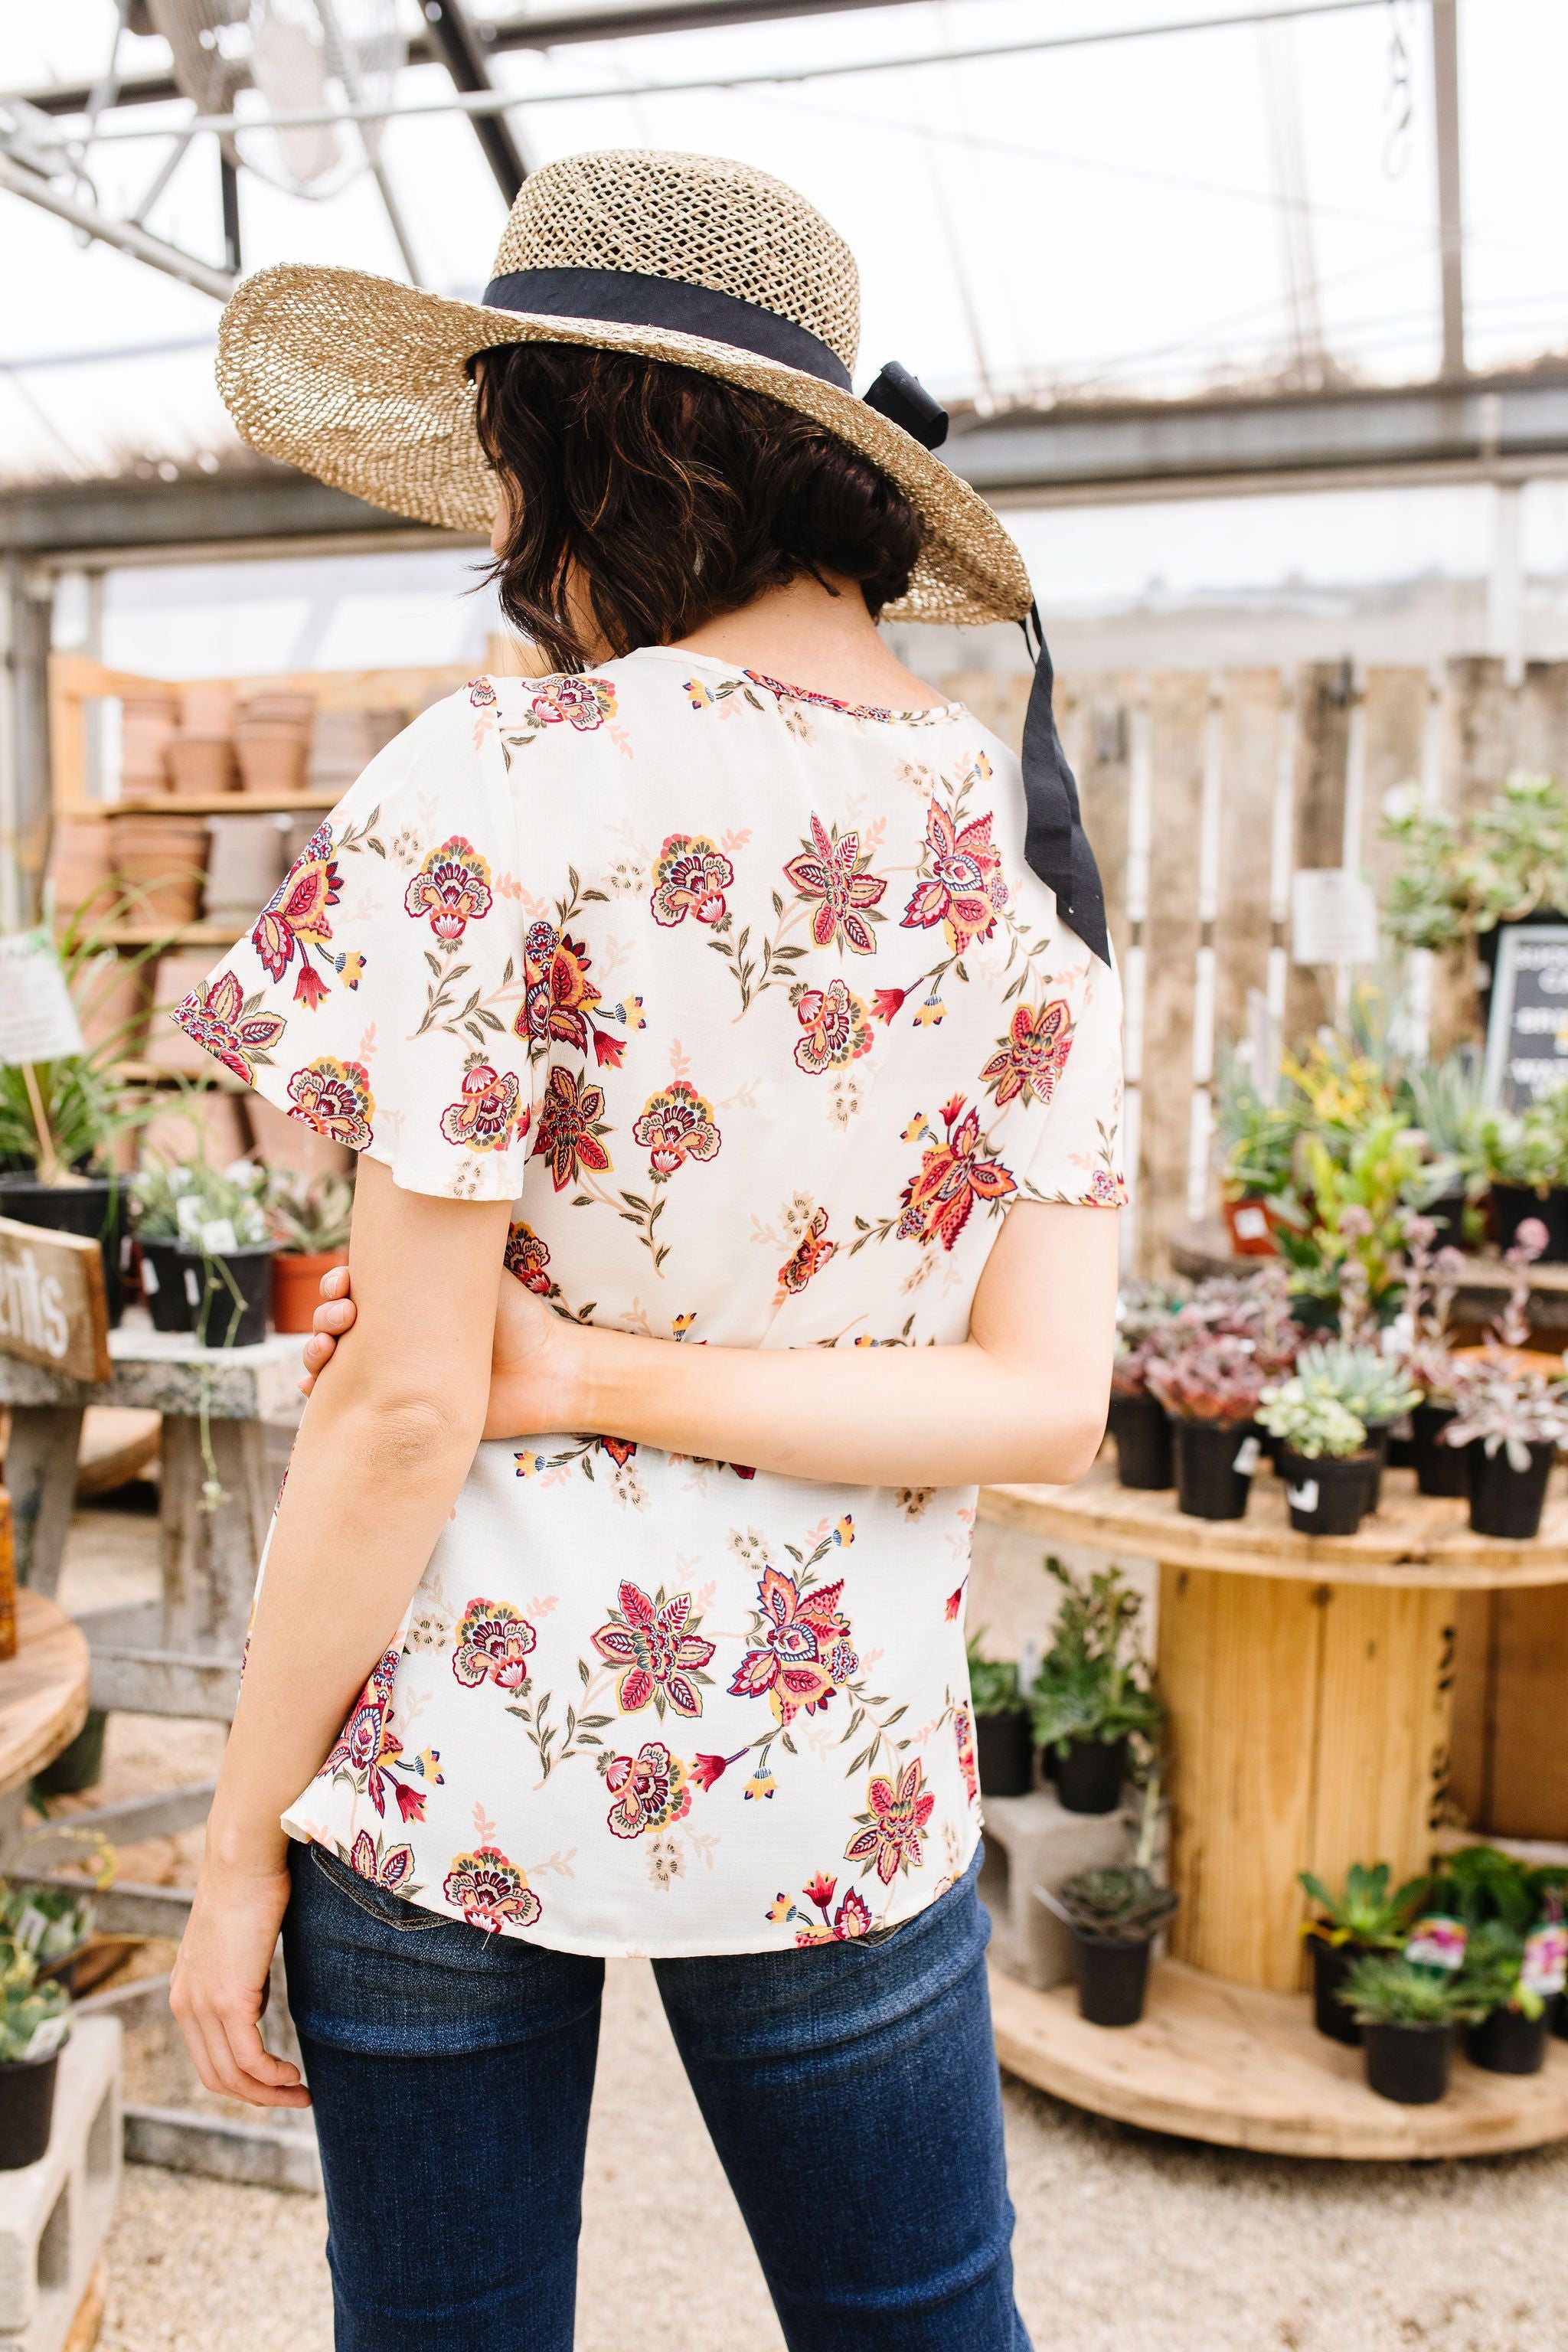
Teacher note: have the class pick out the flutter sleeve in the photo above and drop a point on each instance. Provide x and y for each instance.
(373, 998)
(1078, 1159)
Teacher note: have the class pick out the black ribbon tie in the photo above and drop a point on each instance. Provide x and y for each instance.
(1056, 846)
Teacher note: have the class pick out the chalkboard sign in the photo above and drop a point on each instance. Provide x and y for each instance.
(1527, 1029)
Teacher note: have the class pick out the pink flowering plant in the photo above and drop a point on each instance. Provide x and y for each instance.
(1498, 1404)
(1215, 1377)
(1146, 1330)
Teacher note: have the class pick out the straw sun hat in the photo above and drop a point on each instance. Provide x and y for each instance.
(363, 382)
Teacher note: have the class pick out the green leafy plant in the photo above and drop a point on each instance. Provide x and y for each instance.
(1481, 1883)
(1255, 1138)
(1344, 1250)
(86, 1105)
(1311, 1422)
(1368, 1911)
(35, 2017)
(1090, 1685)
(48, 1921)
(1125, 1907)
(207, 1209)
(308, 1218)
(992, 1682)
(1444, 1100)
(1524, 1148)
(1492, 1971)
(1459, 876)
(1385, 1991)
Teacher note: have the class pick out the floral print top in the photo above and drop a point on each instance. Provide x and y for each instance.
(748, 1003)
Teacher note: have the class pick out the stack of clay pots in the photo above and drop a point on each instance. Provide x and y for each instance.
(79, 867)
(344, 742)
(272, 735)
(200, 754)
(147, 725)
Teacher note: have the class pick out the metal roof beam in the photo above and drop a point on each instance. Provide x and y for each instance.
(1450, 219)
(557, 28)
(457, 36)
(172, 259)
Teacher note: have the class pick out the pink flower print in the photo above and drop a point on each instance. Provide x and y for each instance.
(487, 1115)
(833, 873)
(837, 1028)
(650, 1789)
(452, 887)
(660, 1654)
(691, 876)
(675, 1125)
(962, 886)
(587, 703)
(334, 1097)
(493, 1645)
(895, 1825)
(490, 1891)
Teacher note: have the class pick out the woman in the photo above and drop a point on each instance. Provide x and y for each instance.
(725, 1029)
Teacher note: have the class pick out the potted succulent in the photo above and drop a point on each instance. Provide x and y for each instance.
(1114, 1916)
(310, 1226)
(1367, 1917)
(52, 1923)
(206, 1250)
(1146, 1330)
(1429, 1297)
(1407, 2014)
(1372, 1386)
(1210, 1388)
(1463, 879)
(1444, 1100)
(1090, 1697)
(35, 2022)
(1514, 1977)
(1511, 1416)
(1524, 1154)
(1003, 1746)
(1324, 1459)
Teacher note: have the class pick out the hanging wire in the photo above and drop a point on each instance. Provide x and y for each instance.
(1399, 104)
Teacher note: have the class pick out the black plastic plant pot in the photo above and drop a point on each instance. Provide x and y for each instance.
(1090, 1776)
(1005, 1752)
(1407, 2063)
(1332, 1964)
(26, 2108)
(1142, 1428)
(170, 1305)
(1112, 1978)
(223, 1319)
(95, 1208)
(1506, 2041)
(1327, 1496)
(1447, 1213)
(1440, 1469)
(1505, 1501)
(1514, 1203)
(80, 1766)
(1208, 1484)
(1378, 1437)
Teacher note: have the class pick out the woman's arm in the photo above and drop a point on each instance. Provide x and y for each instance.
(1023, 1398)
(381, 1455)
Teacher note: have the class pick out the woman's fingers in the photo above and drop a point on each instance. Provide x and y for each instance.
(266, 2080)
(334, 1317)
(335, 1281)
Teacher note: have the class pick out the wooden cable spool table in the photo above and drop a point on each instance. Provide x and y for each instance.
(1308, 1681)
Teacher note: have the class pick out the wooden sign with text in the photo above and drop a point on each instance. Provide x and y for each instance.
(53, 1310)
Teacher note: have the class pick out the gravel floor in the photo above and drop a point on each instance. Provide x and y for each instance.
(1126, 2243)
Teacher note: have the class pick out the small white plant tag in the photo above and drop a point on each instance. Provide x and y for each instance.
(1248, 1454)
(1249, 1223)
(192, 1286)
(49, 2034)
(1303, 1498)
(149, 1276)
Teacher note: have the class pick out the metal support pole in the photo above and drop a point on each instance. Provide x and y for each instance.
(25, 629)
(1446, 92)
(125, 234)
(462, 52)
(229, 188)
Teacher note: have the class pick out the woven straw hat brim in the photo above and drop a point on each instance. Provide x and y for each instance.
(361, 381)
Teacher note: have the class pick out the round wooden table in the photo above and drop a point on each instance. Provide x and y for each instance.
(43, 1689)
(1310, 1683)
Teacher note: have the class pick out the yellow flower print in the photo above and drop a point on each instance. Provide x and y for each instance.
(759, 1785)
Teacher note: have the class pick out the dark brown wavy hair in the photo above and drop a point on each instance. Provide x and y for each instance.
(677, 496)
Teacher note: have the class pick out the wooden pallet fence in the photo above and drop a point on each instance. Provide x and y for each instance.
(1204, 794)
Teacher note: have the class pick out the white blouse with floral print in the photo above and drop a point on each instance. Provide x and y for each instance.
(747, 1002)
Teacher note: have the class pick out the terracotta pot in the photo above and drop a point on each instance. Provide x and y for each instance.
(344, 742)
(80, 865)
(297, 1287)
(273, 763)
(160, 862)
(278, 703)
(206, 706)
(147, 724)
(247, 859)
(202, 763)
(1250, 1226)
(167, 1045)
(110, 994)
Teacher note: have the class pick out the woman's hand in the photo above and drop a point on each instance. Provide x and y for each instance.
(219, 1986)
(535, 1358)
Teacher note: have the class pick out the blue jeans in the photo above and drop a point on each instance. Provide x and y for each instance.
(850, 2089)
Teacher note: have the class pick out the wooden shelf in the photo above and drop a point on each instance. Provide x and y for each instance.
(1246, 2068)
(1414, 1540)
(169, 935)
(158, 1074)
(234, 803)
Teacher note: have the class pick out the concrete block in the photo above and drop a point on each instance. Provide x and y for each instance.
(55, 2214)
(1033, 1841)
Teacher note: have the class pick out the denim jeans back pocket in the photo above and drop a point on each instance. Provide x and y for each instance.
(378, 1902)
